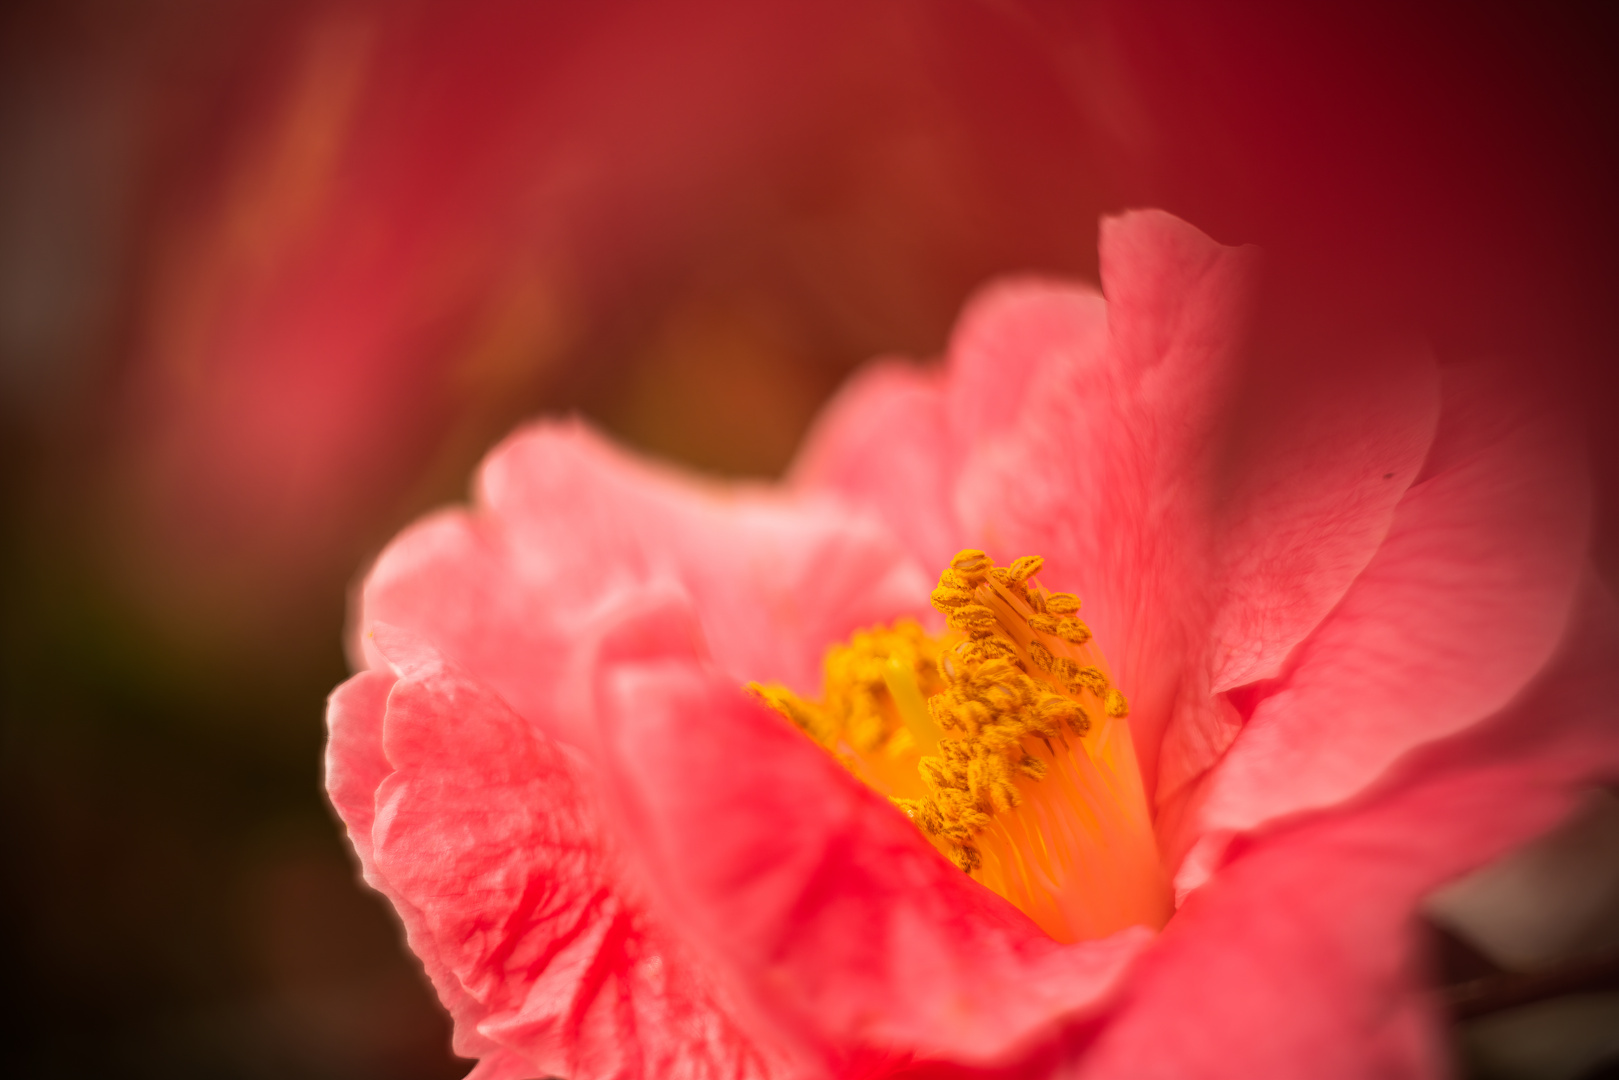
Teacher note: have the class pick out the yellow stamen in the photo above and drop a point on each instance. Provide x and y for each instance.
(904, 689)
(873, 715)
(1005, 742)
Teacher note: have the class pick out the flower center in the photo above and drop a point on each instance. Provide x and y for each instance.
(1005, 742)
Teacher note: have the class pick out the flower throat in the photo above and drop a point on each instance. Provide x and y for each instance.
(1006, 743)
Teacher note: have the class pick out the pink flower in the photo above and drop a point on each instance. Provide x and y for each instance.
(1361, 648)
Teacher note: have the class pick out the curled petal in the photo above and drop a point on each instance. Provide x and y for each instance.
(1462, 605)
(1316, 504)
(1314, 493)
(484, 837)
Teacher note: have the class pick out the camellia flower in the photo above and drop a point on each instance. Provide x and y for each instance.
(668, 777)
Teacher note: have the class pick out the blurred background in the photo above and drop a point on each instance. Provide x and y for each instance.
(275, 273)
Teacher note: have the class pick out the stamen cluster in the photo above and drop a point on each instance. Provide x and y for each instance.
(857, 715)
(997, 713)
(950, 733)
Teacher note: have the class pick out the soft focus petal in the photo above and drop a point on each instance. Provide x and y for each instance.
(1323, 909)
(1315, 491)
(826, 901)
(1321, 483)
(423, 208)
(568, 522)
(883, 445)
(1009, 338)
(494, 855)
(895, 439)
(774, 580)
(1462, 605)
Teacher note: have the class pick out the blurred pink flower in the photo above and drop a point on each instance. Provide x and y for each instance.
(1354, 621)
(407, 234)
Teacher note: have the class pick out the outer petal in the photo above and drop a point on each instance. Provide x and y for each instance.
(1320, 481)
(568, 523)
(355, 768)
(1461, 606)
(826, 903)
(354, 761)
(485, 839)
(1317, 477)
(1336, 979)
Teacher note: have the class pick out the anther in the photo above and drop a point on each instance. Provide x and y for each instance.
(1045, 624)
(971, 564)
(1073, 631)
(1025, 567)
(973, 618)
(1091, 679)
(1061, 603)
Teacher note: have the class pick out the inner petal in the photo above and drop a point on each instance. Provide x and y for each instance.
(1006, 742)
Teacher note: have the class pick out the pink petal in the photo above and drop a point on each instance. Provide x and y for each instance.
(354, 761)
(569, 523)
(1314, 493)
(455, 579)
(1011, 334)
(355, 768)
(1318, 498)
(1108, 476)
(825, 901)
(883, 445)
(514, 897)
(895, 439)
(1462, 605)
(1308, 931)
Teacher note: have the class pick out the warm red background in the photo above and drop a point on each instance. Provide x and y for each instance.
(274, 274)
